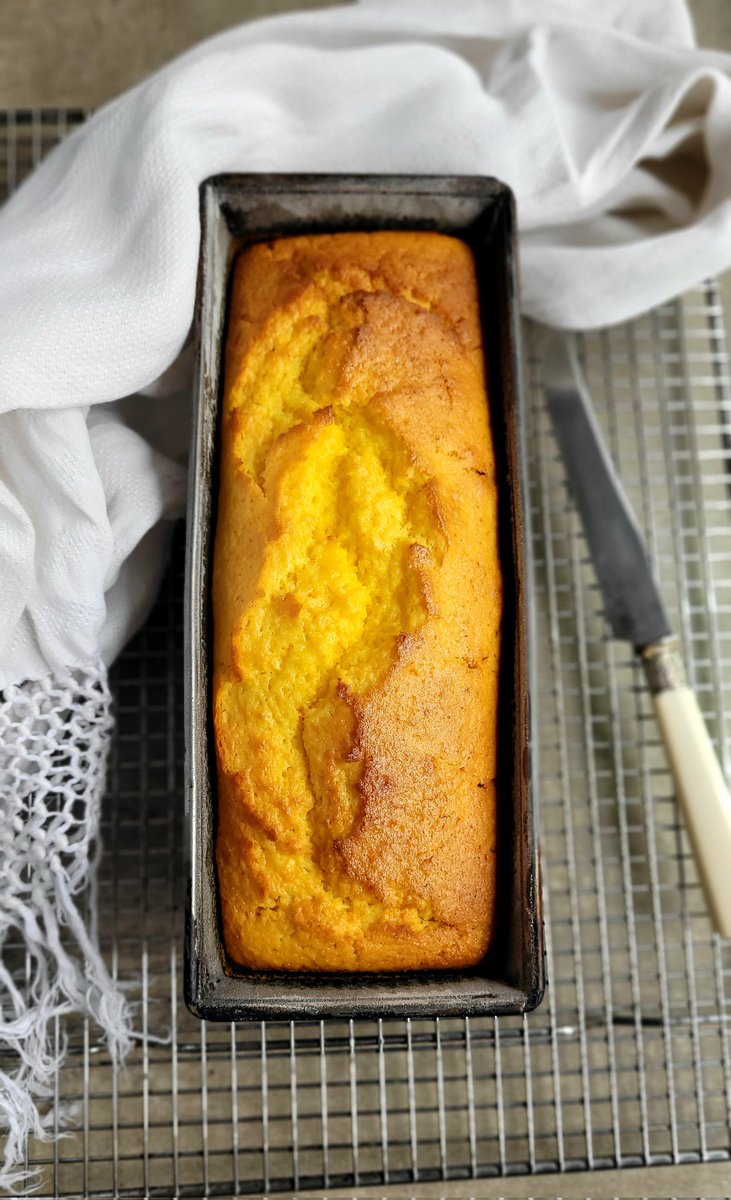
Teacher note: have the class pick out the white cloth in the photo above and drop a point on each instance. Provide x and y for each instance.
(613, 130)
(54, 736)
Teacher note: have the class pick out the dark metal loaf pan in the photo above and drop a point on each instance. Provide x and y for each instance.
(240, 208)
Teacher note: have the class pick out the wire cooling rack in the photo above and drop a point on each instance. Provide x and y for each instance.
(628, 1061)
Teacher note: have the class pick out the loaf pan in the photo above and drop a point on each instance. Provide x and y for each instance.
(236, 209)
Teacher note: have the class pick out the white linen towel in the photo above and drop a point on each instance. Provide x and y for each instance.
(612, 128)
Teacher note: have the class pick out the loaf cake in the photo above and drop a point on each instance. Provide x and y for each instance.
(356, 609)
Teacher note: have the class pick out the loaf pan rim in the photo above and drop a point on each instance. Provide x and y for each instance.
(210, 990)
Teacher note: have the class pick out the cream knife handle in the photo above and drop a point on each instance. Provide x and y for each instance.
(701, 788)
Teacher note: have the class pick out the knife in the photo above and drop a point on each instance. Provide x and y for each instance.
(635, 612)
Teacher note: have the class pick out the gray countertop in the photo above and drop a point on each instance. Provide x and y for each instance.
(83, 52)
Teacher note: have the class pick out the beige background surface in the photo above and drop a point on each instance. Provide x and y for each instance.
(79, 53)
(712, 1179)
(83, 52)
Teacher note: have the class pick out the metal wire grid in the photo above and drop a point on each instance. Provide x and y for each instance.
(628, 1062)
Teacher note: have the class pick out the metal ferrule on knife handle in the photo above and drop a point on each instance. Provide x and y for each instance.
(663, 665)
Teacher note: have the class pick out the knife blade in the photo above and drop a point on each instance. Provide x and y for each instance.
(632, 603)
(635, 612)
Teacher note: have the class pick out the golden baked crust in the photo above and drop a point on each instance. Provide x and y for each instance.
(357, 600)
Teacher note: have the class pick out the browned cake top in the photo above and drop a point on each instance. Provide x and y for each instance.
(357, 599)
